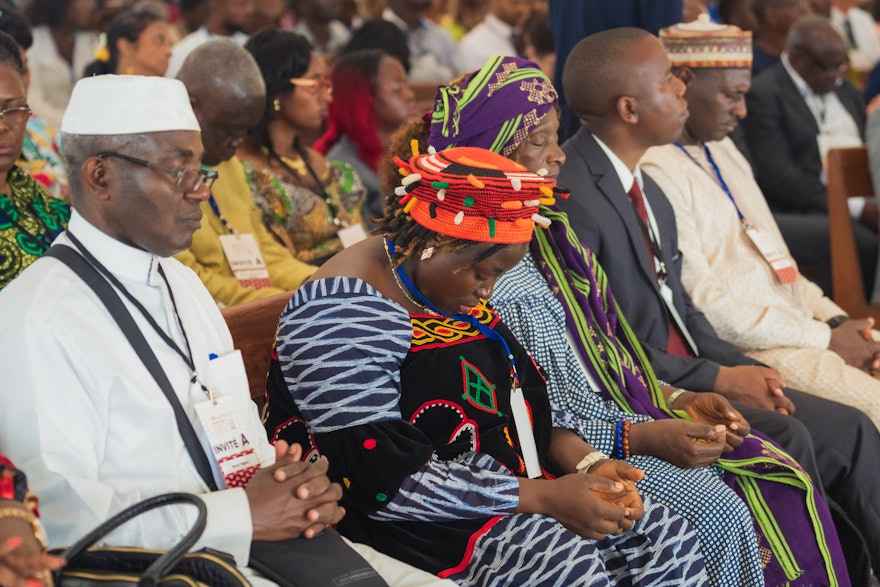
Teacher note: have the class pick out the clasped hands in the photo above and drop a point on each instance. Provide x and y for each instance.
(292, 498)
(854, 341)
(716, 428)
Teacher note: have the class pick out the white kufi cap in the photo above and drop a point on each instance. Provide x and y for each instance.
(128, 104)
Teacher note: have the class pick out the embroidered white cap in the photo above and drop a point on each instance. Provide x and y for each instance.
(128, 104)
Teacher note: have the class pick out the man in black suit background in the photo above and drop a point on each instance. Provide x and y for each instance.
(798, 109)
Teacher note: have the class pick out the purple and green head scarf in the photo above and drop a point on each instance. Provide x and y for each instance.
(521, 95)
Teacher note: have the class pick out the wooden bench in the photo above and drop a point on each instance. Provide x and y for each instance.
(253, 325)
(848, 176)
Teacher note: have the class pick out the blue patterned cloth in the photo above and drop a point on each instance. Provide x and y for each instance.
(722, 520)
(341, 349)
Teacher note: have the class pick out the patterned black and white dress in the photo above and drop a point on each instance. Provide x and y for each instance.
(413, 413)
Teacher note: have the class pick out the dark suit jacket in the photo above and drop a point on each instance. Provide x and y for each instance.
(781, 134)
(604, 220)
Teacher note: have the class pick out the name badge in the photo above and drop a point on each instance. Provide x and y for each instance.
(351, 234)
(245, 260)
(232, 448)
(524, 432)
(781, 263)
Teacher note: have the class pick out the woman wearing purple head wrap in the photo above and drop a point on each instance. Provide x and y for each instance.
(559, 306)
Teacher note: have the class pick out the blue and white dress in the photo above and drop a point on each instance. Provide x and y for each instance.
(413, 413)
(722, 520)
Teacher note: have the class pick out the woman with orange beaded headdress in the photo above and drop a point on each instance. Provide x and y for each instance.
(434, 419)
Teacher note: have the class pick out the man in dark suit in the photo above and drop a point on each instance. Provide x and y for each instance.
(626, 104)
(797, 110)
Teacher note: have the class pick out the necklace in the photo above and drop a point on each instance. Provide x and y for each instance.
(400, 285)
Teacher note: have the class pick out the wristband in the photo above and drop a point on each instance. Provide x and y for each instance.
(674, 396)
(590, 460)
(837, 321)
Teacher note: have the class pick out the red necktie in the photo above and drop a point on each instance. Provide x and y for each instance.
(675, 344)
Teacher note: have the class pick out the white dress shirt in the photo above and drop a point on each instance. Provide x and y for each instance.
(185, 46)
(432, 50)
(85, 419)
(491, 37)
(866, 51)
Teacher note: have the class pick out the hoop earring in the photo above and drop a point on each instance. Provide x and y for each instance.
(276, 105)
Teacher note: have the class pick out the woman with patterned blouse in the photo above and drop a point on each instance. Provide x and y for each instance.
(29, 219)
(435, 420)
(311, 205)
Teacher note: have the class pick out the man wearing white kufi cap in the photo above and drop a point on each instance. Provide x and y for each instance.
(79, 410)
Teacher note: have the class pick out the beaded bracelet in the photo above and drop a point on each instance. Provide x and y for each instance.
(627, 424)
(618, 440)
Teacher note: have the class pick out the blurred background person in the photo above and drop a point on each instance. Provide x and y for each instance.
(739, 13)
(270, 14)
(371, 99)
(538, 43)
(63, 45)
(225, 18)
(500, 33)
(39, 152)
(383, 35)
(310, 206)
(29, 219)
(774, 18)
(460, 16)
(859, 31)
(138, 42)
(432, 50)
(319, 23)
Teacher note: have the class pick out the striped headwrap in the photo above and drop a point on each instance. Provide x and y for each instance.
(474, 194)
(464, 115)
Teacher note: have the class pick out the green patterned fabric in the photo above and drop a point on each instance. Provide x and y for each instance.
(29, 222)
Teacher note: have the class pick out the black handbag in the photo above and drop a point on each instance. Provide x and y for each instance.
(119, 566)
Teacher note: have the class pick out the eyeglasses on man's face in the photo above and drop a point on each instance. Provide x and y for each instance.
(316, 86)
(16, 115)
(188, 180)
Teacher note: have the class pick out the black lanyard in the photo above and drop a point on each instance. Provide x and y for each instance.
(653, 243)
(186, 356)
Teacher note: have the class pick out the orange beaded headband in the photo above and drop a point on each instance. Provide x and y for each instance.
(474, 194)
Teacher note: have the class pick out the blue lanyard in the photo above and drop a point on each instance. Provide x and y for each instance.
(472, 320)
(216, 209)
(717, 175)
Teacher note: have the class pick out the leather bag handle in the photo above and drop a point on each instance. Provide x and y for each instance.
(167, 561)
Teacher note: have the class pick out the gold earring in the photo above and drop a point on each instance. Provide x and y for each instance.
(276, 104)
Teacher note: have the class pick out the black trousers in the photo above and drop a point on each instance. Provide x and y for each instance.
(839, 447)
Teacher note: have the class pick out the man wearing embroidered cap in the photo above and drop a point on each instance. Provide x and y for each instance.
(436, 421)
(739, 272)
(79, 408)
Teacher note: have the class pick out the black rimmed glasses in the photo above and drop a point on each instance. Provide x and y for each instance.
(189, 180)
(16, 115)
(315, 85)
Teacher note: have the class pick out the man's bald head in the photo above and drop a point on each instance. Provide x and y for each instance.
(227, 93)
(811, 31)
(222, 65)
(817, 52)
(599, 70)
